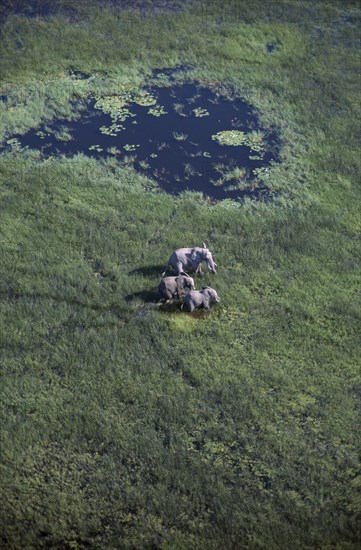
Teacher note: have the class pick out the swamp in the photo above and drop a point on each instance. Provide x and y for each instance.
(128, 130)
(184, 149)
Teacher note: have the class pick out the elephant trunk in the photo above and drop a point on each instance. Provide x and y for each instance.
(212, 265)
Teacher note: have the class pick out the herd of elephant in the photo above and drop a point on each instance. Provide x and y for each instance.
(176, 286)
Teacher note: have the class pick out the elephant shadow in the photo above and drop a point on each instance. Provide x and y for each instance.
(171, 307)
(148, 271)
(152, 297)
(147, 296)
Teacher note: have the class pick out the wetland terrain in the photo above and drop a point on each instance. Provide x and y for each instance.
(130, 129)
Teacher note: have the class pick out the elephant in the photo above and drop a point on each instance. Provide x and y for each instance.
(175, 287)
(186, 258)
(200, 298)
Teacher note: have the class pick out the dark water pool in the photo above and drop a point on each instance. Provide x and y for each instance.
(183, 136)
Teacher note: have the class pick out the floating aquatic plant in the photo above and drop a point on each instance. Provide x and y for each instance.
(115, 105)
(253, 140)
(96, 148)
(13, 142)
(123, 114)
(146, 99)
(230, 137)
(111, 104)
(41, 134)
(158, 110)
(200, 112)
(130, 147)
(112, 130)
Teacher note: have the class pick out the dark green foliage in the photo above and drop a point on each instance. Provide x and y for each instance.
(125, 424)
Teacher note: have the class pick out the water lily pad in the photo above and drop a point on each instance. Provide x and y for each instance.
(230, 137)
(13, 142)
(130, 147)
(41, 134)
(112, 130)
(253, 140)
(144, 98)
(157, 110)
(200, 112)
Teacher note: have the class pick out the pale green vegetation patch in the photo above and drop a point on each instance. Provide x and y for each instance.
(144, 98)
(131, 147)
(157, 110)
(115, 107)
(230, 137)
(13, 142)
(254, 140)
(41, 134)
(95, 147)
(200, 112)
(112, 105)
(119, 107)
(111, 130)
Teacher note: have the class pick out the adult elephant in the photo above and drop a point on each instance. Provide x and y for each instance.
(184, 259)
(175, 287)
(200, 298)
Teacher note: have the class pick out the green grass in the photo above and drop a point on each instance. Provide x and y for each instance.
(125, 425)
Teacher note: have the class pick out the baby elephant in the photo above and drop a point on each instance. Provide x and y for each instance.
(200, 298)
(174, 287)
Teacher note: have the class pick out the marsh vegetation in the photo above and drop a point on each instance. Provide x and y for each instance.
(121, 123)
(124, 425)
